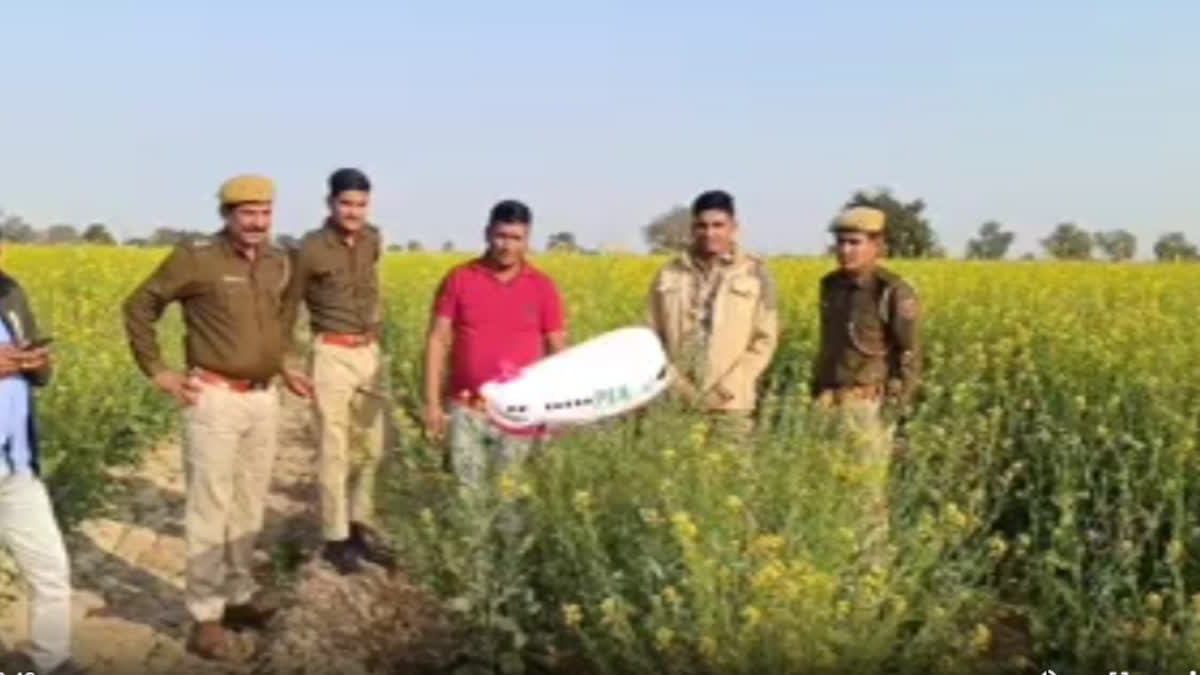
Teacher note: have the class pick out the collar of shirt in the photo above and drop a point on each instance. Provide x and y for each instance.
(695, 263)
(337, 236)
(857, 281)
(481, 264)
(229, 247)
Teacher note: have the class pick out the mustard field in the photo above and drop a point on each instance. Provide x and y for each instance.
(1043, 515)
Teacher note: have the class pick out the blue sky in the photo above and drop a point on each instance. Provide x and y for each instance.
(603, 114)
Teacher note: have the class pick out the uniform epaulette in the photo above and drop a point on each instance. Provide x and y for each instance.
(758, 263)
(887, 275)
(894, 279)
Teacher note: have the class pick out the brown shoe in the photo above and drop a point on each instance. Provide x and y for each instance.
(255, 613)
(209, 641)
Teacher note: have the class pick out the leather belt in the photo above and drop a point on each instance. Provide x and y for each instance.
(233, 384)
(347, 339)
(863, 392)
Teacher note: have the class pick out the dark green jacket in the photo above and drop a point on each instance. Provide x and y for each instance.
(18, 319)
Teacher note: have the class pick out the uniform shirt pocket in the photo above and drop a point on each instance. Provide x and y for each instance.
(234, 290)
(668, 294)
(742, 299)
(745, 288)
(327, 279)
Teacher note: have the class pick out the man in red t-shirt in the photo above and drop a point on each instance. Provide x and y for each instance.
(492, 316)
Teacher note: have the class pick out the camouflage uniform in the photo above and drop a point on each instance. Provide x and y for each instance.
(719, 327)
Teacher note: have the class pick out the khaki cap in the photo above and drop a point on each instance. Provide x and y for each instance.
(859, 219)
(246, 188)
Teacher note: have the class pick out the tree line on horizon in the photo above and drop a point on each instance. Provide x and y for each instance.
(909, 235)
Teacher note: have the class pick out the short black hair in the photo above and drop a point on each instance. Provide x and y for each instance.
(713, 199)
(510, 211)
(348, 179)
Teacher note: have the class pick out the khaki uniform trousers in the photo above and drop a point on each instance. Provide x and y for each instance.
(861, 422)
(230, 443)
(351, 426)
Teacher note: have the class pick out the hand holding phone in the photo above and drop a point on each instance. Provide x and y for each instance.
(39, 343)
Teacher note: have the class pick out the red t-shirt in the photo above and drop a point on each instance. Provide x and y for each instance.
(499, 326)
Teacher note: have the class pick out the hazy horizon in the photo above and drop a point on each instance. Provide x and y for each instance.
(604, 115)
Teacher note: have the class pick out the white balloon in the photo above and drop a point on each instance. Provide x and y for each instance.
(608, 375)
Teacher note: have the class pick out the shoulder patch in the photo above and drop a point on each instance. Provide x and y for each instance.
(199, 242)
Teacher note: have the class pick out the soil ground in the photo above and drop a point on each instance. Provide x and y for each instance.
(127, 569)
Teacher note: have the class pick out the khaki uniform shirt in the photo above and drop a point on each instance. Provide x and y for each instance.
(869, 339)
(338, 282)
(232, 309)
(719, 325)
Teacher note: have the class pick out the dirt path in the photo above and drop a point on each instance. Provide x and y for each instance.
(127, 567)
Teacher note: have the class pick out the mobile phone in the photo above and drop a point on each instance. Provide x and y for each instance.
(40, 342)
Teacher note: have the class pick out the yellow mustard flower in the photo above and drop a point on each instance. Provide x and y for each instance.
(572, 614)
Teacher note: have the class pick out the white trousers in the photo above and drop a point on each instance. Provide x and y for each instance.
(30, 532)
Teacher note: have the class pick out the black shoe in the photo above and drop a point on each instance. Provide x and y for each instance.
(20, 662)
(368, 545)
(343, 557)
(253, 614)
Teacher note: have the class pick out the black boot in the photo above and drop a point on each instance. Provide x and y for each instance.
(370, 548)
(343, 556)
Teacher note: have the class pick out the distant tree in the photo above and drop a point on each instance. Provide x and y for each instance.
(166, 236)
(163, 236)
(137, 241)
(14, 229)
(414, 245)
(287, 241)
(1069, 242)
(1117, 244)
(1027, 256)
(1174, 246)
(907, 231)
(447, 246)
(562, 241)
(669, 231)
(991, 244)
(98, 234)
(61, 234)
